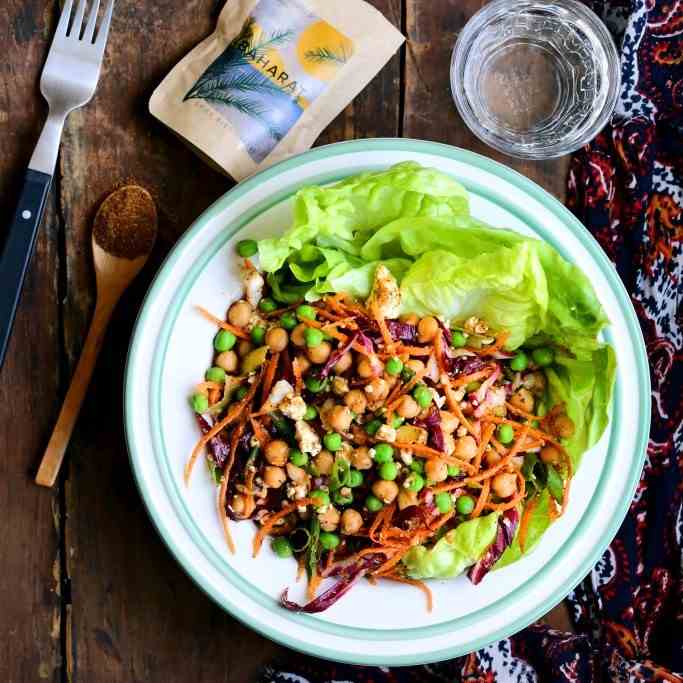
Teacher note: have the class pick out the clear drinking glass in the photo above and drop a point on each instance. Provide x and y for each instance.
(535, 79)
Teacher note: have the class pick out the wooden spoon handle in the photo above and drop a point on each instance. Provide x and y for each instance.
(61, 434)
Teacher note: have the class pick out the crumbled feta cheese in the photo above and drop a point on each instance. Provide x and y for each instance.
(281, 389)
(308, 440)
(385, 296)
(449, 443)
(340, 386)
(253, 284)
(406, 456)
(386, 433)
(290, 489)
(293, 407)
(438, 398)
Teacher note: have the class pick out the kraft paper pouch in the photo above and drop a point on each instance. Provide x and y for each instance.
(271, 77)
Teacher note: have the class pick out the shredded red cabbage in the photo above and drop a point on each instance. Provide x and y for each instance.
(219, 448)
(334, 358)
(447, 335)
(366, 342)
(404, 332)
(465, 365)
(432, 423)
(349, 577)
(507, 525)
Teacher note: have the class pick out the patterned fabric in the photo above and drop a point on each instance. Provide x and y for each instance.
(627, 188)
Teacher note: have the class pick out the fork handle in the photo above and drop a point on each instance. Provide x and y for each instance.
(16, 252)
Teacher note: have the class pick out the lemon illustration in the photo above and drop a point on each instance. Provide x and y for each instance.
(322, 50)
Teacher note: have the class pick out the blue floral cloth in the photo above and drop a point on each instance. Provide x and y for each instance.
(627, 188)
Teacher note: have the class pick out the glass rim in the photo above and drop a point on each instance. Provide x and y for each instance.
(583, 134)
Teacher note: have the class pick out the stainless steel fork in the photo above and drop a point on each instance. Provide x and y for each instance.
(68, 82)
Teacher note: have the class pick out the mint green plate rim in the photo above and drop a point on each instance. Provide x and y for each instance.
(437, 149)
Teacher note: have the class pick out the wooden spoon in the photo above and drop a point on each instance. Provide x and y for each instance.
(124, 233)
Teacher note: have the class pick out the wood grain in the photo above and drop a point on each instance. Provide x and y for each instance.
(135, 615)
(30, 615)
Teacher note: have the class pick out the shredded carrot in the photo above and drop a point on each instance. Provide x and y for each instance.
(301, 568)
(208, 386)
(414, 582)
(383, 329)
(260, 433)
(497, 345)
(298, 379)
(328, 329)
(383, 515)
(237, 331)
(439, 352)
(485, 438)
(534, 432)
(313, 584)
(271, 520)
(392, 561)
(519, 496)
(423, 451)
(472, 377)
(520, 412)
(225, 522)
(417, 350)
(454, 405)
(524, 523)
(269, 378)
(407, 389)
(329, 559)
(443, 520)
(483, 498)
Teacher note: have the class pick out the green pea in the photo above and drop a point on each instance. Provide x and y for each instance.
(200, 403)
(328, 540)
(415, 482)
(224, 341)
(383, 453)
(473, 386)
(543, 356)
(267, 305)
(505, 434)
(247, 248)
(332, 441)
(306, 312)
(311, 413)
(464, 505)
(282, 547)
(373, 426)
(388, 471)
(397, 422)
(258, 335)
(341, 499)
(296, 457)
(240, 393)
(215, 374)
(313, 337)
(315, 384)
(288, 321)
(320, 498)
(417, 466)
(444, 502)
(519, 362)
(407, 374)
(458, 339)
(394, 366)
(422, 395)
(373, 504)
(355, 479)
(453, 471)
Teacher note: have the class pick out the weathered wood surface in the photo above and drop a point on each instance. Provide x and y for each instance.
(127, 611)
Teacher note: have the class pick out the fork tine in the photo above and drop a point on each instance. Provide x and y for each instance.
(63, 25)
(103, 31)
(92, 20)
(77, 24)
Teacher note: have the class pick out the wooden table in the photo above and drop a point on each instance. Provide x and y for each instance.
(88, 592)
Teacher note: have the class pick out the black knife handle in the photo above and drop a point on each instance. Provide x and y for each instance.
(18, 247)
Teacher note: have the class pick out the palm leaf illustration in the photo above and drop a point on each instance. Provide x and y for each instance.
(322, 55)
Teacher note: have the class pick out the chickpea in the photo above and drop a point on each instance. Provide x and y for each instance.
(516, 463)
(274, 477)
(492, 457)
(406, 499)
(410, 319)
(415, 365)
(228, 361)
(238, 504)
(296, 474)
(386, 491)
(563, 426)
(504, 484)
(323, 462)
(550, 455)
(304, 363)
(329, 520)
(427, 329)
(214, 395)
(448, 443)
(465, 447)
(340, 418)
(449, 422)
(356, 401)
(361, 458)
(367, 369)
(319, 354)
(277, 452)
(277, 339)
(239, 313)
(436, 469)
(377, 390)
(344, 363)
(244, 347)
(535, 383)
(408, 408)
(351, 522)
(523, 400)
(297, 335)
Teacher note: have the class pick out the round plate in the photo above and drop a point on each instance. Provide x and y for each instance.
(388, 623)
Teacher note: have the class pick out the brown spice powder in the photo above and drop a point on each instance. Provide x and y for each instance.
(126, 222)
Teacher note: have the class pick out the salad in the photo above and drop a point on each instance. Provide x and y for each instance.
(402, 392)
